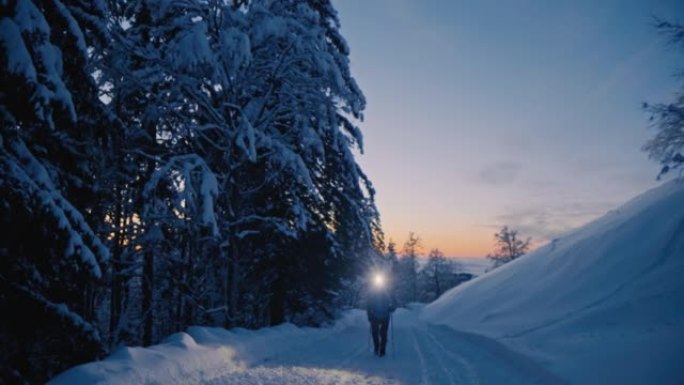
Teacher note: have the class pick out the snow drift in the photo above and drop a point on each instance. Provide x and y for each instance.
(602, 304)
(216, 356)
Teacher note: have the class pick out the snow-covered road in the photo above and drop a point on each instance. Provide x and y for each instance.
(420, 354)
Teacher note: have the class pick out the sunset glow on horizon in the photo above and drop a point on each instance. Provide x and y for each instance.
(459, 242)
(526, 114)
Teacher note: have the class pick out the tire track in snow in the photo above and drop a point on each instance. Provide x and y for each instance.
(491, 362)
(421, 359)
(425, 355)
(469, 372)
(438, 358)
(352, 356)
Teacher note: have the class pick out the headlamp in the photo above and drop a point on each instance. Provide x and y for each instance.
(379, 280)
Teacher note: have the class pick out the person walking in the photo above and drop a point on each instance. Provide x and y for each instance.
(380, 304)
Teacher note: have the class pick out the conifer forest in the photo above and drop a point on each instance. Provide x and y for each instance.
(170, 163)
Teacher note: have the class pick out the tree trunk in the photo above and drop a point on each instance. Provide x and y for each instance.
(233, 284)
(148, 295)
(116, 290)
(277, 302)
(226, 285)
(190, 304)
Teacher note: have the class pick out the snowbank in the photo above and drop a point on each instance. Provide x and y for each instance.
(206, 355)
(196, 357)
(178, 360)
(603, 304)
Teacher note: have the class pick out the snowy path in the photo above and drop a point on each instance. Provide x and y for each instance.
(421, 354)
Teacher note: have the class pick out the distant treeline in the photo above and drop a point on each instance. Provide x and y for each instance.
(413, 281)
(171, 163)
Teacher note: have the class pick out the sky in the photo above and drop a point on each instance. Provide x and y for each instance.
(506, 112)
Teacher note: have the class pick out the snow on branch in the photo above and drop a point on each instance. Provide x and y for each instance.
(197, 191)
(191, 49)
(29, 33)
(62, 311)
(281, 224)
(33, 180)
(74, 28)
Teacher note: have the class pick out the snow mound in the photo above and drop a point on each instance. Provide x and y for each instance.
(605, 301)
(178, 361)
(211, 355)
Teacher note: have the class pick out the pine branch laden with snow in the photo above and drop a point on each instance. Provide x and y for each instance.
(63, 312)
(27, 178)
(52, 257)
(196, 188)
(31, 60)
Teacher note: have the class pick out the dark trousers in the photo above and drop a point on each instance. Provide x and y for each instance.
(379, 331)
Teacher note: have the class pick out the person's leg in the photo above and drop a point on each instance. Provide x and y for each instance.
(375, 331)
(383, 335)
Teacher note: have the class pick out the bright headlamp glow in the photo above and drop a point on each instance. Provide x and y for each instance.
(379, 280)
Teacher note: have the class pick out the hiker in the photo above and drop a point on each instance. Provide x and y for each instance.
(380, 304)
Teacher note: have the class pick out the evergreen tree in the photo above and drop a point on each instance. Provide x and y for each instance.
(296, 92)
(51, 122)
(208, 144)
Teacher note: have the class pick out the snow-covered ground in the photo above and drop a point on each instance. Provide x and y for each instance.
(285, 355)
(601, 305)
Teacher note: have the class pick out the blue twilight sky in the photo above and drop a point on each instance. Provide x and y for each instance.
(526, 113)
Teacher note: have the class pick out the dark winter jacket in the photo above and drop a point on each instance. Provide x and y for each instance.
(379, 305)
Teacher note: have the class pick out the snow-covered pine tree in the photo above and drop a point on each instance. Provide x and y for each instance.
(210, 144)
(51, 124)
(304, 102)
(276, 97)
(164, 95)
(136, 74)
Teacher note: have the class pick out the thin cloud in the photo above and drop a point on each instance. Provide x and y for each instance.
(500, 173)
(546, 223)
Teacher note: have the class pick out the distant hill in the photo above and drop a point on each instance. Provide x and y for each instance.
(473, 265)
(603, 304)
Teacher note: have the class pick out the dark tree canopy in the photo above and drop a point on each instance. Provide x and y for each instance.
(168, 163)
